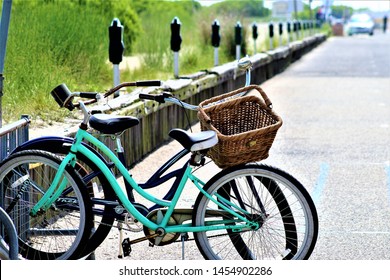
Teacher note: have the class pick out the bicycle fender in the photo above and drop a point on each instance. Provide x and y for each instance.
(53, 144)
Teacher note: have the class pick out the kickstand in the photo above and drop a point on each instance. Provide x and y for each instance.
(120, 254)
(184, 237)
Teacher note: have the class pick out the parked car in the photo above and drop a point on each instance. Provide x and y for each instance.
(360, 24)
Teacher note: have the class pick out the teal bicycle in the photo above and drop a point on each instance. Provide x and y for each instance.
(249, 211)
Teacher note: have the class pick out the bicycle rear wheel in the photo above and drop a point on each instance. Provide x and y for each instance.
(287, 218)
(61, 231)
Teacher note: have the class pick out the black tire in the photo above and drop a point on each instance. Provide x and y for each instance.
(278, 202)
(61, 231)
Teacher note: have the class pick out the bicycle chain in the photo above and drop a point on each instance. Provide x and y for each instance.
(177, 241)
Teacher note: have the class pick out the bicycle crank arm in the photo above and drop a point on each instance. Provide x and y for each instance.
(126, 244)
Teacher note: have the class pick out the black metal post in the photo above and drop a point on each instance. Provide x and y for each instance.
(116, 48)
(255, 34)
(175, 43)
(215, 39)
(238, 39)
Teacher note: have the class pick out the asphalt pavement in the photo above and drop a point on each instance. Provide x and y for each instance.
(335, 139)
(335, 103)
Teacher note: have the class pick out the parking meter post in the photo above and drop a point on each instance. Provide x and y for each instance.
(238, 39)
(271, 35)
(313, 26)
(216, 57)
(299, 28)
(305, 28)
(255, 34)
(280, 33)
(116, 73)
(238, 52)
(288, 32)
(176, 64)
(115, 49)
(308, 27)
(175, 44)
(215, 40)
(295, 29)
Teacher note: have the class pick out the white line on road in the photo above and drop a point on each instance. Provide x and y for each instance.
(320, 184)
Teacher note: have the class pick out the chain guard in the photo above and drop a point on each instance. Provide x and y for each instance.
(177, 218)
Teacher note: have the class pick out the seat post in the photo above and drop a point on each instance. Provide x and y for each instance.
(119, 147)
(121, 156)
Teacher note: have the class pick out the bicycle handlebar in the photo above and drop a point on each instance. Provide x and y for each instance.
(244, 64)
(148, 83)
(64, 97)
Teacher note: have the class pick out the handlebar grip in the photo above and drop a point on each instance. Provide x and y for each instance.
(63, 96)
(151, 83)
(147, 96)
(90, 95)
(160, 98)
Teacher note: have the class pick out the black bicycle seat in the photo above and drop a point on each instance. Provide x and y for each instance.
(195, 141)
(109, 124)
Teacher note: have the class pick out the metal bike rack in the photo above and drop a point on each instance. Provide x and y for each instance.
(12, 235)
(13, 135)
(8, 138)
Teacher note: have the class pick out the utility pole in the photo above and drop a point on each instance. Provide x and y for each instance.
(295, 9)
(4, 24)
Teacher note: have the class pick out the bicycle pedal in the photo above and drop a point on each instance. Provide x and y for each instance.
(126, 246)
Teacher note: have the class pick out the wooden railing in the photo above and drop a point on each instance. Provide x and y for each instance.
(157, 120)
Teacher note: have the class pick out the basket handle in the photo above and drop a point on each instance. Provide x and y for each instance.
(264, 95)
(235, 92)
(204, 116)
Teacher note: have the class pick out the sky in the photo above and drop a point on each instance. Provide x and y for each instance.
(374, 5)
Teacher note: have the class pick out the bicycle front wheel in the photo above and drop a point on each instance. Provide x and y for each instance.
(277, 202)
(94, 179)
(59, 232)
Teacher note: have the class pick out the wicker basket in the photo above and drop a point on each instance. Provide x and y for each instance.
(246, 126)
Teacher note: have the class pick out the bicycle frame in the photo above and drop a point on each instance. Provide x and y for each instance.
(57, 187)
(54, 144)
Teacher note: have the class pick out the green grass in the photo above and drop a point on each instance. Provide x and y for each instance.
(57, 41)
(49, 45)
